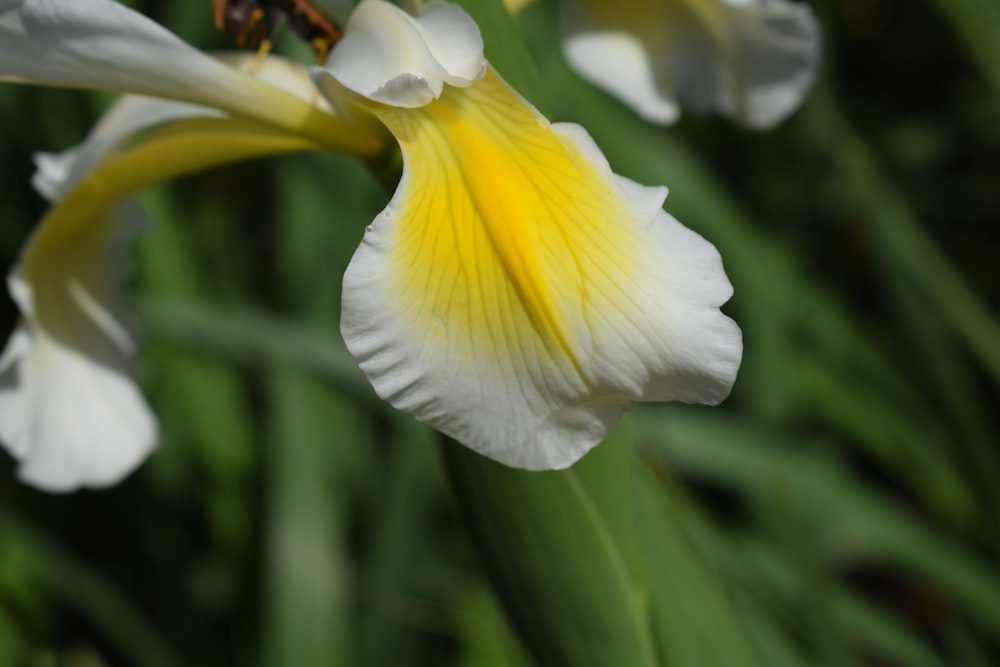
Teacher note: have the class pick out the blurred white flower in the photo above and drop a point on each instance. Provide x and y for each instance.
(752, 60)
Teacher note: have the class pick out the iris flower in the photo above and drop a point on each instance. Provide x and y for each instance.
(752, 60)
(514, 294)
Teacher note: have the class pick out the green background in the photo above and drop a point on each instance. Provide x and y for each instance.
(840, 508)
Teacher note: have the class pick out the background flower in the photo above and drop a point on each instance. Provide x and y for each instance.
(752, 60)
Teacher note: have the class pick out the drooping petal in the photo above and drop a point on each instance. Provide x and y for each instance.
(753, 60)
(103, 44)
(391, 57)
(518, 296)
(776, 57)
(70, 412)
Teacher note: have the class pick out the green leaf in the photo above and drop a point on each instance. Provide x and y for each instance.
(557, 563)
(486, 639)
(407, 581)
(851, 523)
(696, 619)
(311, 467)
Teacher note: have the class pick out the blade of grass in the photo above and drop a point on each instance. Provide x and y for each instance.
(904, 239)
(914, 258)
(696, 618)
(202, 402)
(307, 586)
(486, 639)
(858, 524)
(247, 336)
(404, 583)
(768, 583)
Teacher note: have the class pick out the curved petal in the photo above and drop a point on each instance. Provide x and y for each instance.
(454, 40)
(753, 60)
(518, 296)
(57, 173)
(69, 410)
(391, 57)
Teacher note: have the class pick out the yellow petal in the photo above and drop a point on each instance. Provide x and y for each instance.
(517, 295)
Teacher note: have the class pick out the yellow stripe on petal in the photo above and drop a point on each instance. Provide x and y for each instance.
(517, 295)
(516, 214)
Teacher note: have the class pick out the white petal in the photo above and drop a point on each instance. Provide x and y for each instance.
(379, 56)
(518, 296)
(103, 44)
(454, 40)
(753, 60)
(391, 57)
(15, 411)
(617, 63)
(69, 410)
(776, 57)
